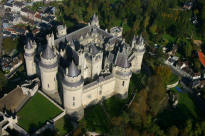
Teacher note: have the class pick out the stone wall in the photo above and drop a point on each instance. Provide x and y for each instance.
(172, 85)
(98, 90)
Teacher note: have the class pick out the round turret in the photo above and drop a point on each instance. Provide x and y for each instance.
(29, 55)
(49, 68)
(138, 47)
(122, 73)
(72, 92)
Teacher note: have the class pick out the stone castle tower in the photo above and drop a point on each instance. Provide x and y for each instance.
(30, 49)
(138, 46)
(122, 73)
(100, 65)
(73, 90)
(48, 70)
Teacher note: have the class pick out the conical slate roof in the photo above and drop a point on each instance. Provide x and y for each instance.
(134, 38)
(140, 39)
(28, 44)
(122, 61)
(73, 70)
(72, 45)
(95, 18)
(48, 53)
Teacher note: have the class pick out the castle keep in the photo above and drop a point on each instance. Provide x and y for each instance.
(85, 66)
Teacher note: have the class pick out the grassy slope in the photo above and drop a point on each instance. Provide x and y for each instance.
(186, 101)
(36, 112)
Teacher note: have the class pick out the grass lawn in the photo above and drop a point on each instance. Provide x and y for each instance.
(173, 79)
(63, 126)
(186, 101)
(178, 116)
(36, 112)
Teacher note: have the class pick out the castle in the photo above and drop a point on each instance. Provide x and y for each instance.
(86, 66)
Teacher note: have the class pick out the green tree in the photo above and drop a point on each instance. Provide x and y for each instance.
(173, 131)
(164, 72)
(187, 50)
(157, 97)
(3, 80)
(153, 29)
(197, 65)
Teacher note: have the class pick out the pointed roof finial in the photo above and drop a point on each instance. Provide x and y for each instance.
(48, 53)
(134, 38)
(73, 70)
(28, 44)
(95, 17)
(140, 39)
(72, 45)
(95, 21)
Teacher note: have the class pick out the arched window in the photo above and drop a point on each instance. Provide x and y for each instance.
(123, 83)
(48, 85)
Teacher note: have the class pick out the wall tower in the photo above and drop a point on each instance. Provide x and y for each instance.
(139, 50)
(72, 92)
(122, 73)
(29, 55)
(48, 68)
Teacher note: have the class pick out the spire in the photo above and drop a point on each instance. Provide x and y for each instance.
(140, 40)
(72, 70)
(28, 44)
(122, 61)
(134, 38)
(95, 21)
(95, 17)
(72, 45)
(48, 53)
